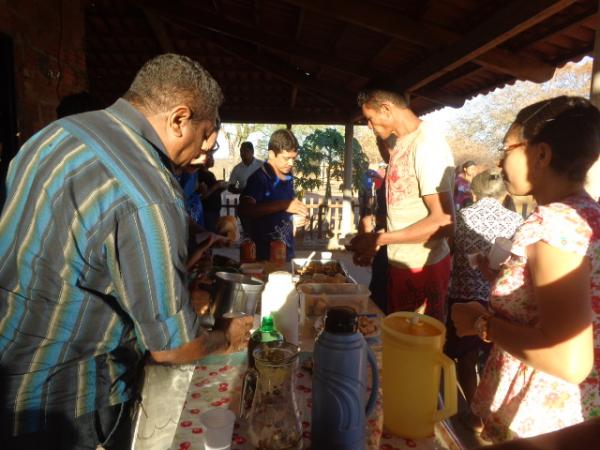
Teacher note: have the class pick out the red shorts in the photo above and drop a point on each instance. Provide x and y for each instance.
(424, 289)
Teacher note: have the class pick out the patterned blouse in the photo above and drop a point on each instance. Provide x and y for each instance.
(514, 399)
(476, 228)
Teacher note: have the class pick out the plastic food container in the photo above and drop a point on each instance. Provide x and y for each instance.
(316, 298)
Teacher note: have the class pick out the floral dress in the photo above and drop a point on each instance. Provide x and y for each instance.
(514, 399)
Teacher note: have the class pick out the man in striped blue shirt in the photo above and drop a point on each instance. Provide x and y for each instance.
(92, 261)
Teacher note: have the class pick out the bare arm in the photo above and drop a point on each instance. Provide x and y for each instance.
(207, 343)
(562, 342)
(438, 223)
(249, 209)
(233, 337)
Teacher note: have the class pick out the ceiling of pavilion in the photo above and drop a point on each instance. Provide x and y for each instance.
(303, 61)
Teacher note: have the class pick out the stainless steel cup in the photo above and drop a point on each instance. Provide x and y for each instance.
(235, 295)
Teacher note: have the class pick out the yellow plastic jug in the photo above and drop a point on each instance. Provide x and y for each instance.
(412, 359)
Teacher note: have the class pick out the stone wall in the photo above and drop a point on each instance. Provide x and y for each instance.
(49, 59)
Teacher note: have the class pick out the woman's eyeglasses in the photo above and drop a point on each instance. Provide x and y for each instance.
(504, 149)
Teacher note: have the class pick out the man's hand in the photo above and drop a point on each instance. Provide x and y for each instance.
(364, 247)
(237, 332)
(297, 207)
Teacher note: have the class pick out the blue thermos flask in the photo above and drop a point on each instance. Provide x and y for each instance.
(339, 398)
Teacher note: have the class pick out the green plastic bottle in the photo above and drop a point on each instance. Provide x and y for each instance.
(266, 334)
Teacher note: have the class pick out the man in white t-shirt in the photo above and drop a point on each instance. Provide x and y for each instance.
(420, 209)
(242, 171)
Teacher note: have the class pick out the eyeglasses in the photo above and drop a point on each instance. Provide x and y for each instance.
(211, 150)
(504, 149)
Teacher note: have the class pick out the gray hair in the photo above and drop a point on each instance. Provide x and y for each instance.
(169, 80)
(488, 184)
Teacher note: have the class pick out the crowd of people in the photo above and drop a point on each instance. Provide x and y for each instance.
(536, 321)
(108, 209)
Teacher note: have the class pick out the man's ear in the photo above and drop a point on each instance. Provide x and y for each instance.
(386, 108)
(178, 118)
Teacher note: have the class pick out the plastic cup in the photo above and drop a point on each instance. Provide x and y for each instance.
(218, 428)
(472, 258)
(499, 253)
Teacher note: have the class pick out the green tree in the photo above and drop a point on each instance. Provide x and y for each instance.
(321, 161)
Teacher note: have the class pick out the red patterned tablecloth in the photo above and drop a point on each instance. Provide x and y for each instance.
(217, 383)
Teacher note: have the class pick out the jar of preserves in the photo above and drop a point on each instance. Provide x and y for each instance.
(247, 251)
(277, 252)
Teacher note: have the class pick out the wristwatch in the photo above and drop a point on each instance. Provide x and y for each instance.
(482, 327)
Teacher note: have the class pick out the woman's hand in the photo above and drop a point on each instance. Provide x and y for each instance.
(483, 264)
(464, 316)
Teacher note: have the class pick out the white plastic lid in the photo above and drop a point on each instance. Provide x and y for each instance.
(280, 277)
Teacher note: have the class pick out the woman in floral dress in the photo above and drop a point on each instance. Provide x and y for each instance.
(544, 316)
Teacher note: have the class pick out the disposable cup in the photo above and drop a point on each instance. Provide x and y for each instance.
(499, 253)
(472, 258)
(218, 428)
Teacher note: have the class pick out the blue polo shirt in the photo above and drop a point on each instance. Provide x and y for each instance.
(265, 186)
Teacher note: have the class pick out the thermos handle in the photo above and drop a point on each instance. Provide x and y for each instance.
(248, 390)
(450, 389)
(375, 381)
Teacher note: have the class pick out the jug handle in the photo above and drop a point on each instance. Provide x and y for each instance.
(248, 389)
(375, 381)
(450, 389)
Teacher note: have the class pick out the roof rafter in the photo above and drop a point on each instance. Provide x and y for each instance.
(388, 21)
(507, 23)
(324, 92)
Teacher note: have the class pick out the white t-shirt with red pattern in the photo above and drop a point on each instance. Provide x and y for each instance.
(421, 164)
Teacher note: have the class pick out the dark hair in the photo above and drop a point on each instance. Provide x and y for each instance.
(169, 80)
(468, 164)
(77, 103)
(376, 92)
(281, 140)
(246, 145)
(570, 126)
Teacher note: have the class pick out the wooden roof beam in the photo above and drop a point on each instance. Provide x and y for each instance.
(252, 36)
(299, 23)
(387, 21)
(507, 23)
(158, 27)
(324, 92)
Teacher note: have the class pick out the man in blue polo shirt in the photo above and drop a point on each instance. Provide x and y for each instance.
(268, 200)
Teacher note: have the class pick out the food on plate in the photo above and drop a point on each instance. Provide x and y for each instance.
(329, 268)
(321, 278)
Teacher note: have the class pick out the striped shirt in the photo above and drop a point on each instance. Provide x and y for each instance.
(92, 266)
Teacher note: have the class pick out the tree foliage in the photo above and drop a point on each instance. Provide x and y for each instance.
(321, 161)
